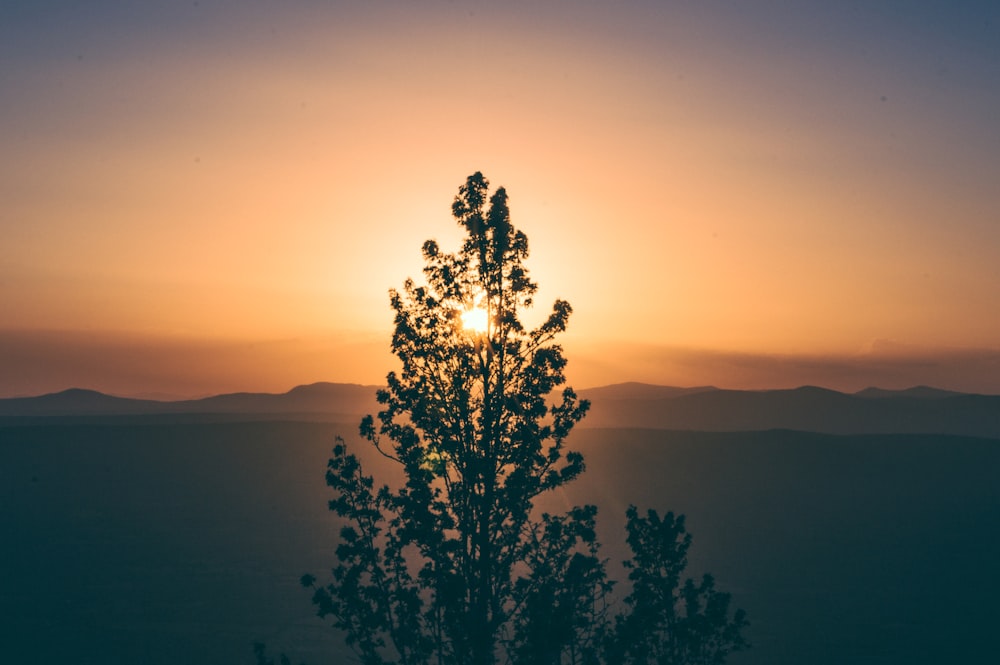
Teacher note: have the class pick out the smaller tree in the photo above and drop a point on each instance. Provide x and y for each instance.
(668, 622)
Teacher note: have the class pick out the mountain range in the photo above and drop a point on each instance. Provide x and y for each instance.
(918, 410)
(333, 401)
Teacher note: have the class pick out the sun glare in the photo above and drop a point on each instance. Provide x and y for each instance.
(475, 320)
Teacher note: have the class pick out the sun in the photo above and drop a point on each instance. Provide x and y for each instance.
(476, 320)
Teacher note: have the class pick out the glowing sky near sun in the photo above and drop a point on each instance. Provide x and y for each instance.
(243, 181)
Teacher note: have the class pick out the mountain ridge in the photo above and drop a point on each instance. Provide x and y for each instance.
(916, 410)
(319, 397)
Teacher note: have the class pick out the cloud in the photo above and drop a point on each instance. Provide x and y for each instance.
(885, 365)
(132, 364)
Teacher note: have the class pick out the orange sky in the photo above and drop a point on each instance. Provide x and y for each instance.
(747, 198)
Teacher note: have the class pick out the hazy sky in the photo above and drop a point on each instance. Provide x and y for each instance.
(213, 196)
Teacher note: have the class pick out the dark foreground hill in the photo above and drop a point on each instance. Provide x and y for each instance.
(150, 542)
(873, 411)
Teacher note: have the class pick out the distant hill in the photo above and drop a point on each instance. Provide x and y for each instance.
(326, 399)
(77, 401)
(922, 392)
(919, 410)
(640, 391)
(809, 409)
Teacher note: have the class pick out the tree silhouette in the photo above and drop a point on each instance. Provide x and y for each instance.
(668, 622)
(456, 566)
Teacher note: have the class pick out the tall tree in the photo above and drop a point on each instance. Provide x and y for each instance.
(455, 566)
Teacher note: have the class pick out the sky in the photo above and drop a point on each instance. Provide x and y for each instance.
(216, 196)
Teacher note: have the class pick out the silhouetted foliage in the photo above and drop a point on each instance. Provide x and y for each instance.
(260, 653)
(456, 566)
(668, 622)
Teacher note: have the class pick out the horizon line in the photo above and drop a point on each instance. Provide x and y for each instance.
(167, 398)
